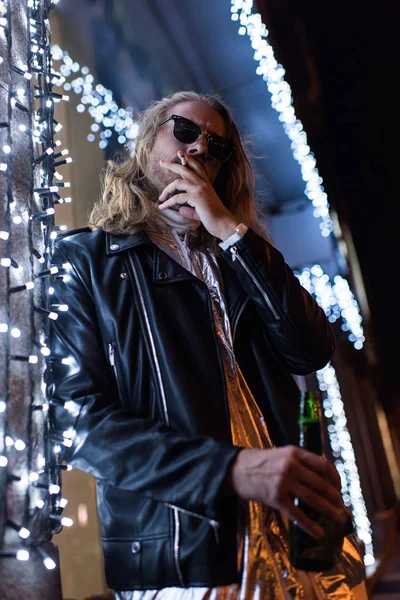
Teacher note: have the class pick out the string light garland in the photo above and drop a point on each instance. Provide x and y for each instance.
(30, 469)
(336, 299)
(282, 101)
(345, 461)
(338, 303)
(98, 101)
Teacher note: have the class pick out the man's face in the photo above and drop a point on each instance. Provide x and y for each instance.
(166, 146)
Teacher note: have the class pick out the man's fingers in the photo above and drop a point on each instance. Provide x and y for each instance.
(319, 484)
(179, 185)
(321, 465)
(319, 503)
(296, 515)
(189, 212)
(179, 169)
(174, 200)
(194, 166)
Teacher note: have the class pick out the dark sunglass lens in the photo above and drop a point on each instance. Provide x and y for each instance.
(219, 148)
(185, 131)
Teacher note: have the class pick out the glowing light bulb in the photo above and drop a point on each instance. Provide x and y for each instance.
(24, 533)
(49, 562)
(20, 445)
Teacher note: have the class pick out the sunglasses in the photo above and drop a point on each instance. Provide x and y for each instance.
(187, 132)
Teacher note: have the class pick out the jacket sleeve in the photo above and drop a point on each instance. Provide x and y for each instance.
(99, 436)
(296, 326)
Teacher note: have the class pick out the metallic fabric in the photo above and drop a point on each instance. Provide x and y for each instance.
(262, 532)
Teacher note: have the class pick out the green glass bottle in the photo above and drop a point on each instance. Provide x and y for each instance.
(306, 552)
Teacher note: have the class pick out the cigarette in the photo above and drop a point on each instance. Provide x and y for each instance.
(183, 160)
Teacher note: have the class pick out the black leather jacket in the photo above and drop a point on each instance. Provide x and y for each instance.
(146, 393)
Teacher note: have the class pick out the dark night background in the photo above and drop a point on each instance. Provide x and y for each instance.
(341, 62)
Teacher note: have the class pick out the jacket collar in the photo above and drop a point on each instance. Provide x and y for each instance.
(119, 243)
(166, 270)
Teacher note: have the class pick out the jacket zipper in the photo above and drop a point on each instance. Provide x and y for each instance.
(111, 356)
(176, 547)
(151, 339)
(166, 416)
(236, 255)
(238, 317)
(214, 524)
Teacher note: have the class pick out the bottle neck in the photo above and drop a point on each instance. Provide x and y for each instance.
(310, 407)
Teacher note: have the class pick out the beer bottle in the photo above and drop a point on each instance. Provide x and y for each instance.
(306, 552)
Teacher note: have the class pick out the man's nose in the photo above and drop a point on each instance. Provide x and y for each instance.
(199, 146)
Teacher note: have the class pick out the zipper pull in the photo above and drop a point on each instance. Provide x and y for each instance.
(234, 253)
(111, 354)
(215, 526)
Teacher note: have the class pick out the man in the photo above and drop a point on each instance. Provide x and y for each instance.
(183, 329)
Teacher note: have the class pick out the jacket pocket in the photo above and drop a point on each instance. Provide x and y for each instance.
(139, 563)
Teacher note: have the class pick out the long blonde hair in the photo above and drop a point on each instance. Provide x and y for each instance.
(125, 205)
